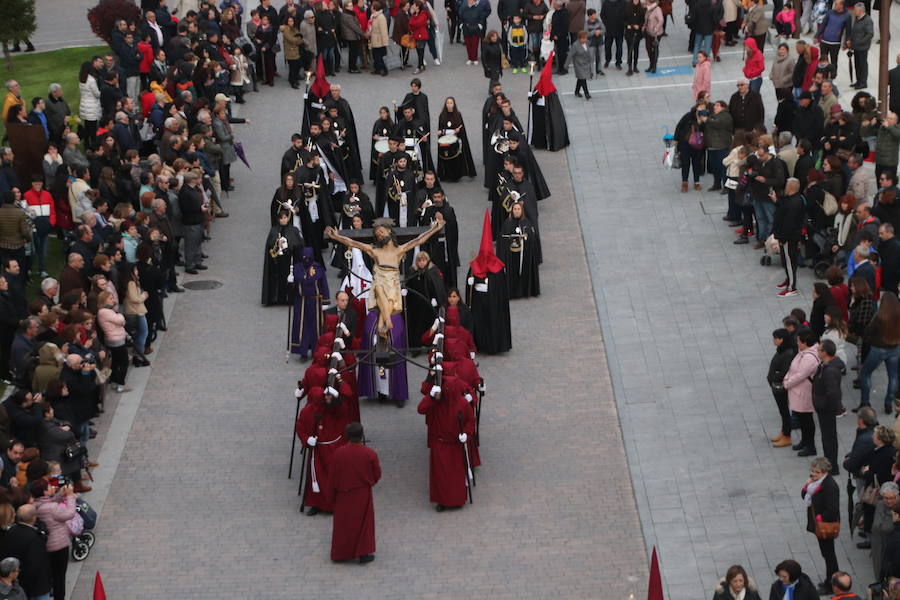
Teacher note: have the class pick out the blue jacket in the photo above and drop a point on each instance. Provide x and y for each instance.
(862, 448)
(834, 26)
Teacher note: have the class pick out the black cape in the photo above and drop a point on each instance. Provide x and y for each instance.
(313, 106)
(275, 286)
(490, 312)
(385, 166)
(383, 129)
(396, 183)
(422, 286)
(356, 205)
(549, 131)
(454, 161)
(314, 202)
(349, 125)
(528, 199)
(416, 130)
(280, 199)
(525, 157)
(493, 160)
(516, 247)
(348, 148)
(443, 247)
(292, 159)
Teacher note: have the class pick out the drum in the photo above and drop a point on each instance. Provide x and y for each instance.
(381, 146)
(449, 147)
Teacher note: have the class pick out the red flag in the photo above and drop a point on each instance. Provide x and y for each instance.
(545, 85)
(486, 261)
(99, 592)
(320, 86)
(654, 587)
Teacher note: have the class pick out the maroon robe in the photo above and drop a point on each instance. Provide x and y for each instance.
(447, 472)
(354, 470)
(327, 424)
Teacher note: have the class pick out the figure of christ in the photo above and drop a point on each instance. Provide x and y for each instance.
(387, 255)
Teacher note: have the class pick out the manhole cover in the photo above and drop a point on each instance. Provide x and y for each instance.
(203, 284)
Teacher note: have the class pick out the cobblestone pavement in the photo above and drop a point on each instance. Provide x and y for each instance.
(686, 319)
(200, 506)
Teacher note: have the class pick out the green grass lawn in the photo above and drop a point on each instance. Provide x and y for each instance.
(37, 70)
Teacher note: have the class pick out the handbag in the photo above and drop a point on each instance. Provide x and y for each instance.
(696, 140)
(74, 451)
(407, 41)
(504, 62)
(827, 531)
(871, 495)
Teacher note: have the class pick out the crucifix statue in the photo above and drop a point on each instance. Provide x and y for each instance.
(387, 254)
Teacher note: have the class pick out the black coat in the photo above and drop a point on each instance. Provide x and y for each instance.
(809, 123)
(804, 590)
(860, 451)
(612, 13)
(747, 111)
(790, 216)
(889, 254)
(29, 545)
(825, 502)
(190, 200)
(349, 317)
(780, 363)
(880, 462)
(826, 388)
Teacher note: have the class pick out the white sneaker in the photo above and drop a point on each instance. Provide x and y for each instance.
(437, 62)
(468, 62)
(475, 62)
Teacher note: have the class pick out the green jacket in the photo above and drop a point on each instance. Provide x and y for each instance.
(718, 131)
(887, 145)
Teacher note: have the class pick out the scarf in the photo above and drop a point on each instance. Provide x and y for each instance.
(811, 489)
(789, 590)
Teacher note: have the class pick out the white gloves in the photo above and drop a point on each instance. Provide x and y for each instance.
(480, 287)
(438, 356)
(470, 281)
(438, 368)
(438, 337)
(463, 438)
(435, 390)
(337, 355)
(436, 325)
(290, 278)
(434, 303)
(298, 393)
(472, 355)
(344, 328)
(468, 398)
(311, 441)
(331, 392)
(340, 342)
(332, 371)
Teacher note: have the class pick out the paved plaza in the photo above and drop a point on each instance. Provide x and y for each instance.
(632, 410)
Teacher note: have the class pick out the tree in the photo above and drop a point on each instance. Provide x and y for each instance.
(17, 23)
(103, 17)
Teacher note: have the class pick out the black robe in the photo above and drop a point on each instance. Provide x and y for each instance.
(548, 131)
(528, 199)
(382, 128)
(396, 183)
(501, 200)
(280, 198)
(443, 247)
(454, 161)
(487, 122)
(293, 158)
(349, 123)
(490, 312)
(493, 160)
(414, 129)
(356, 205)
(420, 104)
(313, 106)
(525, 157)
(315, 201)
(516, 247)
(275, 286)
(422, 286)
(349, 149)
(385, 166)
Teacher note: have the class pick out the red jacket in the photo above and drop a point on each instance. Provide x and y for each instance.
(42, 203)
(755, 64)
(418, 25)
(146, 51)
(362, 17)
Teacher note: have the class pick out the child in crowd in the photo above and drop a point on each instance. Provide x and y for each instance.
(784, 21)
(594, 29)
(517, 38)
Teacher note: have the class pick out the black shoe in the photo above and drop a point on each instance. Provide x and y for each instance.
(204, 255)
(400, 403)
(587, 96)
(606, 65)
(648, 70)
(368, 557)
(807, 452)
(313, 511)
(601, 73)
(856, 384)
(618, 67)
(578, 94)
(201, 267)
(191, 271)
(629, 72)
(741, 240)
(382, 398)
(439, 508)
(888, 410)
(797, 447)
(176, 289)
(653, 70)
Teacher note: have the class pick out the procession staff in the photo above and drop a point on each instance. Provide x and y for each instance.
(321, 429)
(487, 292)
(306, 317)
(516, 248)
(314, 208)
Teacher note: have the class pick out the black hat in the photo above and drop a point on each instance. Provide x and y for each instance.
(805, 96)
(396, 138)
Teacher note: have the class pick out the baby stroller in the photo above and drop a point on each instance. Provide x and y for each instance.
(825, 258)
(82, 526)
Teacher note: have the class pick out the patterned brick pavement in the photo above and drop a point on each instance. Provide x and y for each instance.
(200, 506)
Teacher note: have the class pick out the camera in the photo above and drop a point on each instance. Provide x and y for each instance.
(60, 480)
(89, 359)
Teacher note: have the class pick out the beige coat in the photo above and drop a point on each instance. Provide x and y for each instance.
(378, 30)
(292, 40)
(731, 10)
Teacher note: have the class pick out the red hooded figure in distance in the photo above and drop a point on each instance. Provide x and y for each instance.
(354, 471)
(548, 121)
(487, 294)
